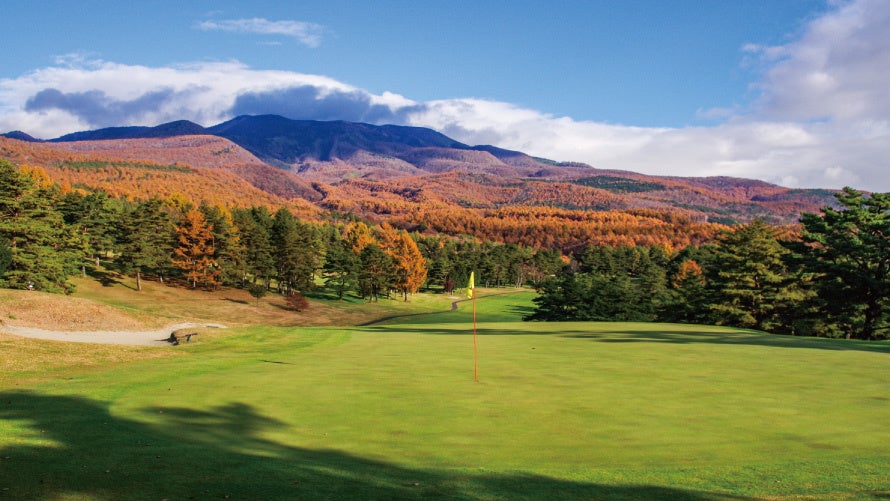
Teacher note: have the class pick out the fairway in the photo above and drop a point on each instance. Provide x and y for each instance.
(390, 410)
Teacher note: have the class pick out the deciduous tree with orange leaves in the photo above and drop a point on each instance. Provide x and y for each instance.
(194, 251)
(410, 266)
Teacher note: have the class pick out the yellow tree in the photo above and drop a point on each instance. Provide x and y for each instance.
(359, 235)
(410, 266)
(194, 251)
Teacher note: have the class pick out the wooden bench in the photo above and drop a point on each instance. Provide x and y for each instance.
(174, 339)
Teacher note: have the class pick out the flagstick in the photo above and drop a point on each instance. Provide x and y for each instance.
(475, 351)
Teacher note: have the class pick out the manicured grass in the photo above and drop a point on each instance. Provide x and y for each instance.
(390, 410)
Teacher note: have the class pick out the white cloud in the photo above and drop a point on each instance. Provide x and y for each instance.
(201, 92)
(821, 119)
(308, 34)
(836, 70)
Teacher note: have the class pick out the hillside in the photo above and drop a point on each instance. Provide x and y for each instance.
(202, 168)
(375, 171)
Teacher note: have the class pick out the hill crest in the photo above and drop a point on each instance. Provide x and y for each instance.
(305, 159)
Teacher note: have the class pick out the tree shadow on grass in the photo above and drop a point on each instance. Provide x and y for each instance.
(105, 277)
(734, 337)
(238, 301)
(619, 333)
(72, 447)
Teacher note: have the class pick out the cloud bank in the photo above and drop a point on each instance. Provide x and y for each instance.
(820, 118)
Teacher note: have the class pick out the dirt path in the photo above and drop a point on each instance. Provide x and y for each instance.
(155, 337)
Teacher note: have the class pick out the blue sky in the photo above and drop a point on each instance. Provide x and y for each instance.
(789, 91)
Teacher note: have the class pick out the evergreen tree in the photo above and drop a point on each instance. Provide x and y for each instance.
(96, 216)
(752, 279)
(607, 284)
(627, 283)
(5, 255)
(341, 266)
(296, 252)
(147, 240)
(562, 297)
(687, 299)
(230, 252)
(846, 253)
(438, 258)
(546, 263)
(254, 238)
(44, 251)
(377, 272)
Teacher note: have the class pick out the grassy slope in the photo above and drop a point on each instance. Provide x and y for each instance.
(636, 411)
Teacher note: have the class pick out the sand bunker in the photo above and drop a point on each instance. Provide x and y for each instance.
(157, 337)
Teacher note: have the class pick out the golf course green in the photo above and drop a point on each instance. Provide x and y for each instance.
(390, 410)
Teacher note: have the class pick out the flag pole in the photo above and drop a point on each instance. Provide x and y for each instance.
(471, 294)
(475, 350)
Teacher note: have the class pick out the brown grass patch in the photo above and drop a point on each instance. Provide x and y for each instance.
(229, 306)
(66, 313)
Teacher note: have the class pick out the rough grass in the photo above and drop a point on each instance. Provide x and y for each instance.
(58, 312)
(236, 307)
(24, 361)
(390, 411)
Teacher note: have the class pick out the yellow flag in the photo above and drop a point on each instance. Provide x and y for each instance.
(470, 286)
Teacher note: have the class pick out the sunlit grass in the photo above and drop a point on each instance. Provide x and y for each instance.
(391, 410)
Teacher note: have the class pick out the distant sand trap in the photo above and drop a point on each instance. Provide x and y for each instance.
(157, 337)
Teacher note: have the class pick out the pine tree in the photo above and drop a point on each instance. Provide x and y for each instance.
(752, 279)
(377, 273)
(230, 252)
(147, 239)
(846, 254)
(296, 252)
(44, 251)
(5, 255)
(96, 217)
(256, 228)
(341, 266)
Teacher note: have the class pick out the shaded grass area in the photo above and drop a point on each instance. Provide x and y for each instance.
(390, 411)
(221, 453)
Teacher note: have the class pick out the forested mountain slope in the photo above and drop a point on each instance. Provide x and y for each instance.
(376, 170)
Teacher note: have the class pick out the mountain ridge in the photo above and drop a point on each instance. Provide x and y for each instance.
(308, 158)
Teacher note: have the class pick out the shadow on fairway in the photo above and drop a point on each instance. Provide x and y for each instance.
(740, 337)
(659, 333)
(407, 317)
(72, 447)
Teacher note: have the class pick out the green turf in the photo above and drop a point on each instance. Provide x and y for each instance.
(390, 410)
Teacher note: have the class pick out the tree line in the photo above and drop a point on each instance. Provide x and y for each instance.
(829, 277)
(49, 234)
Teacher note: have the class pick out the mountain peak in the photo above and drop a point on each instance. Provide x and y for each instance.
(281, 140)
(21, 136)
(171, 129)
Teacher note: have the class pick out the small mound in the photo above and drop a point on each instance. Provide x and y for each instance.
(65, 313)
